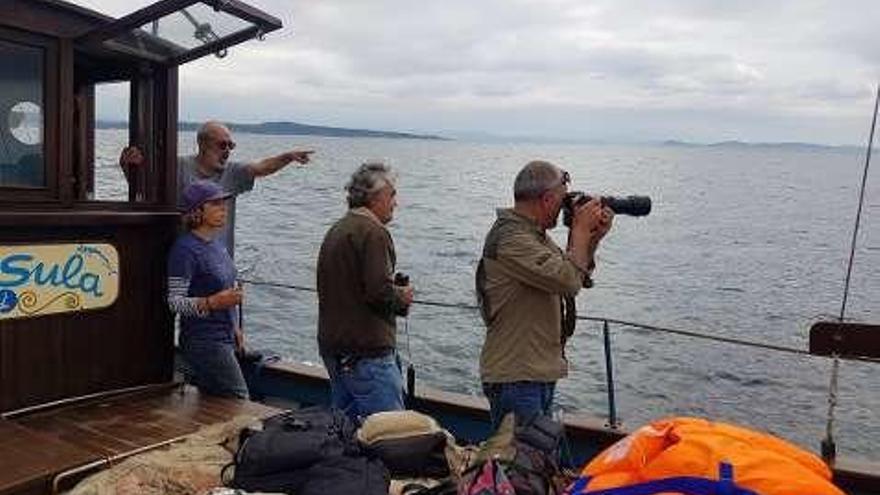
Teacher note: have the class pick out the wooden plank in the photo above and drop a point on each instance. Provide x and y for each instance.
(857, 476)
(120, 424)
(35, 448)
(30, 458)
(60, 174)
(852, 340)
(166, 136)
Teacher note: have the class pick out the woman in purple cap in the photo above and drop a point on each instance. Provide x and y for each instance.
(202, 290)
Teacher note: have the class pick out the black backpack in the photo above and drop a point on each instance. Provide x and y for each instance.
(306, 451)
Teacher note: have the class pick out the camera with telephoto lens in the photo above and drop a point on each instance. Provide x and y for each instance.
(636, 206)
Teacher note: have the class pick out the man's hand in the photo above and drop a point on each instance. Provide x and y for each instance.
(406, 294)
(268, 166)
(299, 156)
(606, 218)
(590, 224)
(131, 156)
(588, 218)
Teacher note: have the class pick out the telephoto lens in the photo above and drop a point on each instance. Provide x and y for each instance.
(635, 206)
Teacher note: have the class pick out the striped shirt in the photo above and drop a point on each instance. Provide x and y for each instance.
(196, 269)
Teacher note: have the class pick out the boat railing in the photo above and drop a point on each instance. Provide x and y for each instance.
(606, 323)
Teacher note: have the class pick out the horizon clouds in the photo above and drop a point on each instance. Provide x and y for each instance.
(631, 70)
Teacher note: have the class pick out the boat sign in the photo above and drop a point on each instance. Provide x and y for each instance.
(37, 280)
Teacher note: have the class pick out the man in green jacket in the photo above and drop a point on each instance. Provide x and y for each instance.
(358, 301)
(521, 280)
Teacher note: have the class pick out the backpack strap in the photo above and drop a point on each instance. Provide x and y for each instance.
(446, 487)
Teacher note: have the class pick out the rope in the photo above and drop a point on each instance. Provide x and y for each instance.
(852, 249)
(598, 319)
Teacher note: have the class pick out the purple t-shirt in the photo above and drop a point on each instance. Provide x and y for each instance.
(202, 268)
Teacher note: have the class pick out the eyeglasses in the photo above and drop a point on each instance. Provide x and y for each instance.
(225, 145)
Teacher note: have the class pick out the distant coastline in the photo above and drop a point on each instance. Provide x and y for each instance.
(284, 128)
(748, 145)
(289, 128)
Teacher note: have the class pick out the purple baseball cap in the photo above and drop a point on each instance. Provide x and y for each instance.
(200, 192)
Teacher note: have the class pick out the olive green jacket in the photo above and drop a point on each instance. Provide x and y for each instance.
(357, 300)
(520, 281)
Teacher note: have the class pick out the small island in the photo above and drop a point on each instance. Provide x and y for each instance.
(290, 128)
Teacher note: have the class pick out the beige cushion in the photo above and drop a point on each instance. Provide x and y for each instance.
(389, 425)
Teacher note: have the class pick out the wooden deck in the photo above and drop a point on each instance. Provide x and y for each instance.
(34, 448)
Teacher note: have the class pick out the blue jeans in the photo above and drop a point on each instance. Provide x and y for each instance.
(363, 386)
(523, 399)
(215, 369)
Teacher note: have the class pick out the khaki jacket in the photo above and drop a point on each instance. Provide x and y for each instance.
(520, 280)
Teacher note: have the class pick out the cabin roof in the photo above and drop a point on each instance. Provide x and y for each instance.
(78, 10)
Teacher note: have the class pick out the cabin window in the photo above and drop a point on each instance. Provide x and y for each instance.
(22, 160)
(111, 136)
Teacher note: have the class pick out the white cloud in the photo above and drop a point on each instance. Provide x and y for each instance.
(688, 69)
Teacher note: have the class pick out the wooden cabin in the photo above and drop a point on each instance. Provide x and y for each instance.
(86, 340)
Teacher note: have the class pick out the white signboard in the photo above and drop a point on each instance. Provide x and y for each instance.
(38, 280)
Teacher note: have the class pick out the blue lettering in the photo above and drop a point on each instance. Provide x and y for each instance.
(71, 270)
(91, 283)
(42, 278)
(8, 268)
(14, 272)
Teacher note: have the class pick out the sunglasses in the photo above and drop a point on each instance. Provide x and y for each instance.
(225, 145)
(565, 179)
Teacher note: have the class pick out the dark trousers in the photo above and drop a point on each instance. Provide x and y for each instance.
(524, 399)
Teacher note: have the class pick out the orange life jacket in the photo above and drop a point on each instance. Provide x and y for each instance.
(700, 453)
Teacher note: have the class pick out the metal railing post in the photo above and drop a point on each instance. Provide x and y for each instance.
(609, 377)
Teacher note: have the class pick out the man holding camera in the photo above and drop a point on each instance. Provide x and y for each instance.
(521, 282)
(358, 300)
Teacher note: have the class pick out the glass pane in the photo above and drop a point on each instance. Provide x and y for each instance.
(180, 32)
(111, 136)
(21, 116)
(195, 25)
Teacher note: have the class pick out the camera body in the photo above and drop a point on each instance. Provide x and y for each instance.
(636, 206)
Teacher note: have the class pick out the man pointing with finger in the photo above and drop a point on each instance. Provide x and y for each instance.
(212, 163)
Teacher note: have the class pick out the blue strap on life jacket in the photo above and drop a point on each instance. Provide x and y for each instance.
(688, 485)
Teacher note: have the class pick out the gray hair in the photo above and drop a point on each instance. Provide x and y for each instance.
(204, 132)
(366, 181)
(536, 178)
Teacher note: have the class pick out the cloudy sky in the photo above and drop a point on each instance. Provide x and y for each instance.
(601, 70)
